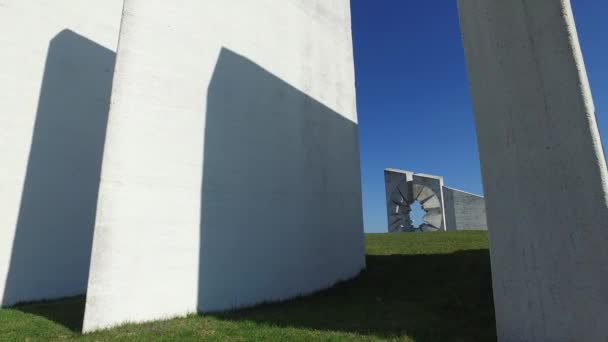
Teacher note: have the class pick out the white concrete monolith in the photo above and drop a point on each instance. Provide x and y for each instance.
(543, 167)
(231, 169)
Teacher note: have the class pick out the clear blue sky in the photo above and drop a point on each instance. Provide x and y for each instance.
(413, 95)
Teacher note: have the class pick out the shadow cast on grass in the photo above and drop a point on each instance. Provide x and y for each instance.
(68, 312)
(439, 297)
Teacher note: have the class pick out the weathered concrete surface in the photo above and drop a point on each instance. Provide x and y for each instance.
(404, 188)
(464, 211)
(56, 62)
(543, 168)
(231, 168)
(428, 190)
(397, 184)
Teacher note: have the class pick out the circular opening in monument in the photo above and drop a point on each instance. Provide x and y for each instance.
(417, 214)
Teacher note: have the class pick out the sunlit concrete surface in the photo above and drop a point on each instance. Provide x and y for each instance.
(231, 168)
(543, 170)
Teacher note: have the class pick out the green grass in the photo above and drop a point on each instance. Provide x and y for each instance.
(417, 287)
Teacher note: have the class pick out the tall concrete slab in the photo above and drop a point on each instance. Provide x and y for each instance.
(56, 65)
(543, 167)
(231, 169)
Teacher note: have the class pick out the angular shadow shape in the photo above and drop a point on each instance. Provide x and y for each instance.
(53, 238)
(281, 198)
(66, 311)
(436, 297)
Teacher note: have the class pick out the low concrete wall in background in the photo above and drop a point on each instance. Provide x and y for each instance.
(463, 210)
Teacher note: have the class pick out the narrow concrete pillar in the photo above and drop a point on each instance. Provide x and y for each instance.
(543, 167)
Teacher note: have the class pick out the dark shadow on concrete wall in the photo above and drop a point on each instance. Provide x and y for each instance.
(449, 209)
(281, 205)
(53, 238)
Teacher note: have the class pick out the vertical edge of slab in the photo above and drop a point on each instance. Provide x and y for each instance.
(543, 169)
(56, 62)
(231, 171)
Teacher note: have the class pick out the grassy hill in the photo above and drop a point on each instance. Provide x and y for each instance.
(417, 287)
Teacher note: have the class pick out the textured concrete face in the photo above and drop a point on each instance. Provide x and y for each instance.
(428, 190)
(399, 197)
(404, 188)
(543, 168)
(56, 65)
(231, 167)
(464, 211)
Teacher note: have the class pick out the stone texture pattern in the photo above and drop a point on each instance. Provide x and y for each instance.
(399, 197)
(404, 188)
(446, 208)
(428, 190)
